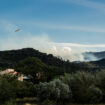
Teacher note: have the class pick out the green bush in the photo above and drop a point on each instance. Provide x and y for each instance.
(11, 88)
(48, 102)
(10, 103)
(54, 90)
(33, 68)
(6, 90)
(100, 80)
(83, 87)
(23, 89)
(94, 94)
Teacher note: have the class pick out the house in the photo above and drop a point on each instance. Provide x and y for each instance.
(12, 72)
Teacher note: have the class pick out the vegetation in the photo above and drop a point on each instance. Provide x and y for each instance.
(83, 87)
(10, 88)
(8, 59)
(36, 70)
(6, 90)
(54, 90)
(51, 81)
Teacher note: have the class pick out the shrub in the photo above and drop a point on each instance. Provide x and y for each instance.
(54, 90)
(48, 102)
(83, 87)
(23, 89)
(11, 88)
(33, 68)
(10, 103)
(6, 90)
(100, 80)
(94, 94)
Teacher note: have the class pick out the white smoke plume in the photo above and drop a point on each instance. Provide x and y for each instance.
(72, 52)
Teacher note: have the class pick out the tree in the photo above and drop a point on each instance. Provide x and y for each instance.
(7, 91)
(33, 68)
(83, 87)
(94, 94)
(54, 90)
(100, 81)
(36, 70)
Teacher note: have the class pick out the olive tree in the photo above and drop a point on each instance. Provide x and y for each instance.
(54, 90)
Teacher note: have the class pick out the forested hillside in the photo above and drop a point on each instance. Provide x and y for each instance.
(8, 59)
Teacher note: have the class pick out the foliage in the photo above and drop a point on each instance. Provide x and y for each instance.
(78, 87)
(33, 68)
(24, 89)
(36, 70)
(100, 81)
(10, 102)
(55, 90)
(94, 94)
(8, 59)
(48, 102)
(6, 90)
(83, 87)
(10, 88)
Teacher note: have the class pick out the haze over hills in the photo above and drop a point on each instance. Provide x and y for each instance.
(94, 56)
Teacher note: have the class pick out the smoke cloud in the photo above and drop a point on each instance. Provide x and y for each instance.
(70, 51)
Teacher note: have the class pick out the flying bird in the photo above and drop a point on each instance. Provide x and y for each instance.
(17, 30)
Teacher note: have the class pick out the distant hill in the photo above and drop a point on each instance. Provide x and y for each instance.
(94, 56)
(93, 61)
(13, 56)
(100, 63)
(8, 59)
(96, 60)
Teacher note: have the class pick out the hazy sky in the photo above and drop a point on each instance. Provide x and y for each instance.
(57, 21)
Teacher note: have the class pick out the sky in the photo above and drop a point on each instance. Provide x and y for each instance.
(60, 27)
